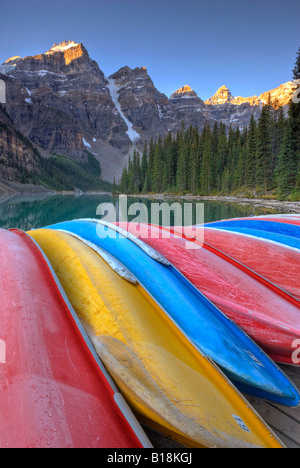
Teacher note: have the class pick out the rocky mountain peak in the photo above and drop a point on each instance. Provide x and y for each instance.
(126, 74)
(279, 97)
(222, 96)
(67, 56)
(13, 60)
(69, 51)
(62, 47)
(184, 92)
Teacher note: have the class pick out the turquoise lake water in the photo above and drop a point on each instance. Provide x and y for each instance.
(34, 211)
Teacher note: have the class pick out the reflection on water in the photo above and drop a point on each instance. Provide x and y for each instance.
(29, 212)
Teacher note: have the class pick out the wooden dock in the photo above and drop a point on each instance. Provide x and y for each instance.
(284, 422)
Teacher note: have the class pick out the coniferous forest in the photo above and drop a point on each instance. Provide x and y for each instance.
(260, 160)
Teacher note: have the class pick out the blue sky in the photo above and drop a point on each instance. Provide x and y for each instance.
(248, 45)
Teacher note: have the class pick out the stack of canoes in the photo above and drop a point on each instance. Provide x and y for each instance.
(180, 330)
(55, 391)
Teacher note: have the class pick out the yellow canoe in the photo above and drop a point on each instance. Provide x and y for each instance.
(169, 384)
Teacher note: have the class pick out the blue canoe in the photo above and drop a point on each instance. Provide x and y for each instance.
(286, 234)
(244, 363)
(289, 230)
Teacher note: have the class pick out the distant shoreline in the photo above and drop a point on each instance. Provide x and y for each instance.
(284, 206)
(15, 189)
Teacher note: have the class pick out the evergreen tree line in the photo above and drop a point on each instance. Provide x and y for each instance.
(262, 159)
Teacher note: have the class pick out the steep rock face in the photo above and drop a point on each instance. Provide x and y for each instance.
(231, 115)
(222, 96)
(233, 111)
(185, 92)
(139, 101)
(17, 156)
(184, 106)
(61, 102)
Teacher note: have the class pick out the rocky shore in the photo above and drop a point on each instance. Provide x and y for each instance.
(278, 205)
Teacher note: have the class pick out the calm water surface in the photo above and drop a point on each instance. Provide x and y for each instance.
(34, 211)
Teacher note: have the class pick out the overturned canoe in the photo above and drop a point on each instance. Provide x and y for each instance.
(55, 392)
(275, 262)
(283, 219)
(268, 314)
(212, 332)
(172, 386)
(277, 218)
(280, 233)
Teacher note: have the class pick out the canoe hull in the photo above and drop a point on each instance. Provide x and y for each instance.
(211, 331)
(172, 386)
(279, 233)
(53, 392)
(274, 262)
(266, 313)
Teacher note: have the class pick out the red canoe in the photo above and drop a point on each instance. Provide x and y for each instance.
(55, 392)
(277, 263)
(266, 313)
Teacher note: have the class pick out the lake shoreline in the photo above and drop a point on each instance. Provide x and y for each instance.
(284, 206)
(17, 189)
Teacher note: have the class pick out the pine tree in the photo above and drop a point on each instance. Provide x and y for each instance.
(151, 155)
(130, 176)
(136, 172)
(181, 161)
(144, 165)
(158, 167)
(170, 163)
(264, 174)
(146, 187)
(114, 187)
(124, 181)
(194, 160)
(236, 163)
(278, 136)
(287, 165)
(241, 162)
(251, 157)
(296, 70)
(205, 174)
(221, 160)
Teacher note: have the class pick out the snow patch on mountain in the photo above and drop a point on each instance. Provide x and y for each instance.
(62, 47)
(114, 89)
(6, 69)
(86, 143)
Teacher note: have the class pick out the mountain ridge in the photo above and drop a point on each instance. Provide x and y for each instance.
(280, 96)
(62, 102)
